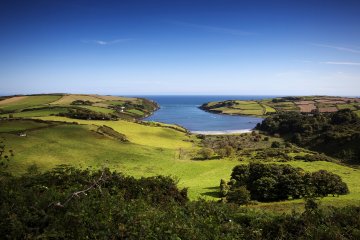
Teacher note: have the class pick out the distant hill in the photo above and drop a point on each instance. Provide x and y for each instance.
(305, 104)
(83, 106)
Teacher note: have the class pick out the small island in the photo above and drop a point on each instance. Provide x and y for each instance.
(264, 107)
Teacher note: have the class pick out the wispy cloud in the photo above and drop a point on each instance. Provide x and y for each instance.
(339, 48)
(103, 43)
(343, 63)
(214, 29)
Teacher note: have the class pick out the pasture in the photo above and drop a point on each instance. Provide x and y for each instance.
(152, 150)
(306, 104)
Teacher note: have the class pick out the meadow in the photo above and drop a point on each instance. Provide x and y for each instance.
(151, 150)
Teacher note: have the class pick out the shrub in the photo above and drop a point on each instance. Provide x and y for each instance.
(239, 195)
(275, 144)
(206, 153)
(273, 182)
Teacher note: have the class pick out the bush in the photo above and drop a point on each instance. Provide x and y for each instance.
(206, 153)
(275, 144)
(33, 207)
(273, 182)
(239, 195)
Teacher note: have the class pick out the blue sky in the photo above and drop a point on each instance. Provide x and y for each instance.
(180, 47)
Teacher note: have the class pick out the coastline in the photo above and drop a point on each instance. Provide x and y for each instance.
(224, 132)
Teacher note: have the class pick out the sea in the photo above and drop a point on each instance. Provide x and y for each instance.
(184, 111)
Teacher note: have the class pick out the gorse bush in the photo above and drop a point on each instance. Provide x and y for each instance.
(273, 182)
(67, 203)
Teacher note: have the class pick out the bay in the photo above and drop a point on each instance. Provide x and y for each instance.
(184, 111)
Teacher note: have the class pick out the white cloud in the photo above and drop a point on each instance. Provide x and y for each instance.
(103, 43)
(339, 48)
(343, 63)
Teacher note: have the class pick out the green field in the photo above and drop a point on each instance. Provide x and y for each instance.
(45, 105)
(268, 106)
(29, 101)
(38, 112)
(152, 150)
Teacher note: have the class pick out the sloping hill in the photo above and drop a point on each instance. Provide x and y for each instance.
(89, 105)
(306, 104)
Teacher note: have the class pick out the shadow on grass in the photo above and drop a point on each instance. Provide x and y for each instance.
(214, 193)
(204, 159)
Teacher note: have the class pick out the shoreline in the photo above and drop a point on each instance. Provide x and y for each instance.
(223, 132)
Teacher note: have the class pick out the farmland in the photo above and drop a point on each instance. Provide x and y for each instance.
(149, 149)
(306, 104)
(55, 104)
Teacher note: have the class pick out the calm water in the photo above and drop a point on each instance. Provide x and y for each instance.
(184, 111)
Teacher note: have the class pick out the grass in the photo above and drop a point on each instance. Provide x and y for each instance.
(135, 111)
(137, 133)
(81, 146)
(68, 99)
(38, 112)
(98, 109)
(152, 151)
(268, 109)
(358, 112)
(344, 106)
(19, 125)
(30, 101)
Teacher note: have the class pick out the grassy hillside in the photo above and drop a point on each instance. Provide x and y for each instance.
(55, 104)
(152, 150)
(306, 104)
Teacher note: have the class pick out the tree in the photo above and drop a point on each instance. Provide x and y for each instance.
(264, 189)
(206, 153)
(328, 183)
(239, 195)
(229, 151)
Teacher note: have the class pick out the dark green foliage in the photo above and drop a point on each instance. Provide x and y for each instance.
(273, 182)
(344, 116)
(143, 105)
(87, 115)
(108, 131)
(325, 183)
(336, 134)
(82, 102)
(227, 103)
(118, 207)
(239, 195)
(5, 155)
(224, 188)
(314, 157)
(275, 144)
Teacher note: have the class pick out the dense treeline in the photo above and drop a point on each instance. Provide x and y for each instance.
(274, 182)
(336, 134)
(87, 115)
(66, 203)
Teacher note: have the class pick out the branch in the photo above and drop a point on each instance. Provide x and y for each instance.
(95, 184)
